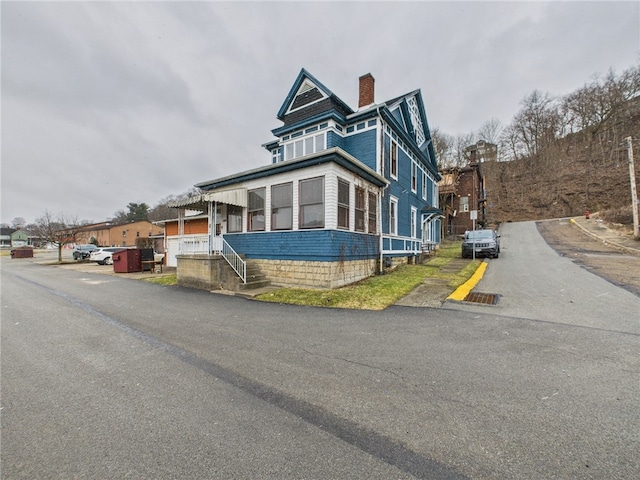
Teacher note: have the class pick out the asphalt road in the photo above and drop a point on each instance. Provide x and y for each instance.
(106, 377)
(534, 282)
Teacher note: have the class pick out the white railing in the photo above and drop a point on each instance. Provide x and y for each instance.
(409, 246)
(233, 259)
(190, 245)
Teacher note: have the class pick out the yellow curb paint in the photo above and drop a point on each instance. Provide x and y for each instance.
(463, 290)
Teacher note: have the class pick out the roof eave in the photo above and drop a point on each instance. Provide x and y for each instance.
(335, 154)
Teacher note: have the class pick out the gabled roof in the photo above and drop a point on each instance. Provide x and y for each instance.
(309, 102)
(307, 91)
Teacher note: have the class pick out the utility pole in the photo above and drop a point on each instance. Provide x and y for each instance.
(634, 193)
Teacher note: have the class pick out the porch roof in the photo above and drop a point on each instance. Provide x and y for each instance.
(200, 201)
(336, 155)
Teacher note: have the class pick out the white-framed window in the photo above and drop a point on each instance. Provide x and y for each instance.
(424, 185)
(256, 209)
(311, 201)
(282, 206)
(305, 146)
(393, 215)
(234, 218)
(373, 213)
(464, 204)
(360, 208)
(393, 167)
(276, 155)
(343, 204)
(414, 222)
(414, 177)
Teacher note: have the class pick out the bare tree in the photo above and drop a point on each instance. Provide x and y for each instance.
(589, 108)
(57, 230)
(163, 212)
(490, 131)
(18, 223)
(536, 125)
(443, 146)
(461, 142)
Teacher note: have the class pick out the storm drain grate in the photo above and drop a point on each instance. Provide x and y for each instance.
(484, 298)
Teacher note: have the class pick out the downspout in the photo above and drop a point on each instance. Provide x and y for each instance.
(379, 222)
(379, 201)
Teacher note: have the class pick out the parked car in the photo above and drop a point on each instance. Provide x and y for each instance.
(485, 243)
(104, 255)
(82, 252)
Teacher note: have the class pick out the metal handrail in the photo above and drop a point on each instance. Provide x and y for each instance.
(233, 259)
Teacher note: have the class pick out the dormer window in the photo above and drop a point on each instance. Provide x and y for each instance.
(305, 146)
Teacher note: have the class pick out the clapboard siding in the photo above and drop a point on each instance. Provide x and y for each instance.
(310, 245)
(363, 147)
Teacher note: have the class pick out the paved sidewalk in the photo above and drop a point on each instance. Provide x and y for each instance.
(433, 292)
(598, 229)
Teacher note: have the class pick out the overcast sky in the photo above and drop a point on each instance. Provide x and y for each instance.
(109, 103)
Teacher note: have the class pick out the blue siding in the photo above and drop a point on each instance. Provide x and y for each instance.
(335, 140)
(363, 147)
(310, 245)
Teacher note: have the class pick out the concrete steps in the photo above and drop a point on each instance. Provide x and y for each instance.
(255, 278)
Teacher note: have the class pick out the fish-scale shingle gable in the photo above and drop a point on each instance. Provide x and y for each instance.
(309, 98)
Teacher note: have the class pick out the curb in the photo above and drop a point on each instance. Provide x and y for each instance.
(463, 290)
(633, 251)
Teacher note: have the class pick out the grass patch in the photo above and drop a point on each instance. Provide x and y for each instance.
(381, 291)
(163, 280)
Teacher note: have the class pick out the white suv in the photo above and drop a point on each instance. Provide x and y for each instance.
(103, 256)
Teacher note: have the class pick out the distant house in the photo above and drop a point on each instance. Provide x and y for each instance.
(106, 234)
(5, 237)
(19, 238)
(346, 193)
(463, 194)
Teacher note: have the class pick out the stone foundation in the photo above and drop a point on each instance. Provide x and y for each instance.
(292, 273)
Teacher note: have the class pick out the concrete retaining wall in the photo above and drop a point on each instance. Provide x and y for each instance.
(207, 272)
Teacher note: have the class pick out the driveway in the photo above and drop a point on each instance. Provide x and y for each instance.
(535, 282)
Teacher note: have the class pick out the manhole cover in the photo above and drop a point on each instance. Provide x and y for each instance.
(484, 298)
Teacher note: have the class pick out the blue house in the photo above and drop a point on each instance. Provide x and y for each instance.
(347, 192)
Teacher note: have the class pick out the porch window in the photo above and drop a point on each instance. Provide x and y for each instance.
(393, 216)
(373, 213)
(343, 204)
(234, 218)
(360, 207)
(256, 209)
(311, 193)
(282, 206)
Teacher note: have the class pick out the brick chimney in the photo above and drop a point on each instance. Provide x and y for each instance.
(366, 96)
